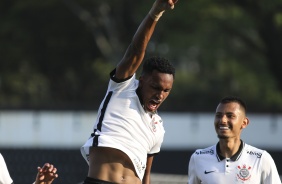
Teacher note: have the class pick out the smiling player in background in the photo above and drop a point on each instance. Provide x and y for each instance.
(231, 160)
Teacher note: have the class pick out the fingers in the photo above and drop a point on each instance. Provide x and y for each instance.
(46, 174)
(51, 169)
(172, 3)
(45, 167)
(48, 169)
(166, 4)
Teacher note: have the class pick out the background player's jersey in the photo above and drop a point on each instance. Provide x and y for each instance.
(249, 165)
(4, 173)
(122, 123)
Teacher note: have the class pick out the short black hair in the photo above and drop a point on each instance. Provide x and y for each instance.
(229, 99)
(158, 63)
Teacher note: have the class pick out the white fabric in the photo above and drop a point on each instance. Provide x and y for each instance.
(4, 173)
(252, 166)
(126, 126)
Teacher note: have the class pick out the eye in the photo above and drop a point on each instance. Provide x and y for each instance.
(231, 116)
(218, 115)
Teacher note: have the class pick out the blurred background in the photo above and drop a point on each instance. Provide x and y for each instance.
(55, 59)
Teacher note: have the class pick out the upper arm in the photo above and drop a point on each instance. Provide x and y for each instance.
(269, 173)
(135, 52)
(129, 63)
(146, 178)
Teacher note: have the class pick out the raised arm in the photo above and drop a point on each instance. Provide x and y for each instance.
(135, 52)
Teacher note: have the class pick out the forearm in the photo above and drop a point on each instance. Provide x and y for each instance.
(145, 30)
(140, 40)
(135, 53)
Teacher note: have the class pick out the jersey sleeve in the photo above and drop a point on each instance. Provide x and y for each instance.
(4, 173)
(192, 176)
(157, 147)
(269, 171)
(122, 85)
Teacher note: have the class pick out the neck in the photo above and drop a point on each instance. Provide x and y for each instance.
(139, 95)
(228, 148)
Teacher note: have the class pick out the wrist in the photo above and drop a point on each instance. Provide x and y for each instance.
(156, 12)
(156, 16)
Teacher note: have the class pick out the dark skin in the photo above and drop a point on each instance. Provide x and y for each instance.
(154, 89)
(110, 164)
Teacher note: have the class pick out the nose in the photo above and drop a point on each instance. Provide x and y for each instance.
(160, 95)
(223, 119)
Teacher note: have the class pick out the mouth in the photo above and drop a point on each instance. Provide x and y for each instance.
(153, 105)
(224, 127)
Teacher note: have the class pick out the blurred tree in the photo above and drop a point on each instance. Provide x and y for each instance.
(57, 54)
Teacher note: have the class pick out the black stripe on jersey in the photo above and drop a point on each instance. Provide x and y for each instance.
(102, 114)
(112, 76)
(103, 110)
(95, 139)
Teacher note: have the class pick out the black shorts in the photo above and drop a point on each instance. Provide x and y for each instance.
(89, 180)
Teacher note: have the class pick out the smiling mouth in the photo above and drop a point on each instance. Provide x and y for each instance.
(224, 128)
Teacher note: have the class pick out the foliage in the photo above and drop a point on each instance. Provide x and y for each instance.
(57, 54)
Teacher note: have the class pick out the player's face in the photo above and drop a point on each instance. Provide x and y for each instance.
(229, 120)
(154, 89)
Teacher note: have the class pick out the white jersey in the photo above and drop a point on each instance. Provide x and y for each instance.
(249, 165)
(123, 124)
(4, 173)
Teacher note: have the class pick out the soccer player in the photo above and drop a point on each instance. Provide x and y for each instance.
(128, 131)
(45, 175)
(231, 160)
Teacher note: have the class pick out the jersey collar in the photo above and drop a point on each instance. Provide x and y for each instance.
(235, 157)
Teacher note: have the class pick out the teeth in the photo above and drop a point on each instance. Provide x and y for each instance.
(223, 128)
(156, 101)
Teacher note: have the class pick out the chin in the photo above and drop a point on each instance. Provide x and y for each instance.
(222, 136)
(152, 111)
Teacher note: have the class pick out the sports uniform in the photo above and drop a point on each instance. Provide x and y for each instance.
(249, 165)
(5, 177)
(123, 124)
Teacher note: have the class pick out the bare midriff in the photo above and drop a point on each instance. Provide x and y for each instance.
(112, 165)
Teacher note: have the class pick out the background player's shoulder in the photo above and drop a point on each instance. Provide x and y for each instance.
(253, 151)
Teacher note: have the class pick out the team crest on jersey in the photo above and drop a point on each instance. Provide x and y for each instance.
(244, 173)
(153, 124)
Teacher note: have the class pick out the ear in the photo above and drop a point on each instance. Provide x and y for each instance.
(245, 123)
